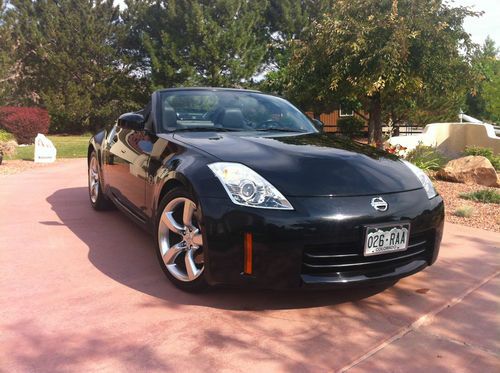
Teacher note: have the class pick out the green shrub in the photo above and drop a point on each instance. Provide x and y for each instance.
(427, 158)
(351, 126)
(484, 196)
(5, 136)
(464, 211)
(484, 152)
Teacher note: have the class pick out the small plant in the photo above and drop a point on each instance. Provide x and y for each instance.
(5, 136)
(427, 158)
(24, 122)
(484, 196)
(7, 148)
(351, 126)
(464, 211)
(398, 150)
(484, 152)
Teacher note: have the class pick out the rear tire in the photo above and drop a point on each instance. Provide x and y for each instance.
(179, 243)
(97, 198)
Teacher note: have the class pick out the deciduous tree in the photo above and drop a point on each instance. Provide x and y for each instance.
(483, 101)
(388, 55)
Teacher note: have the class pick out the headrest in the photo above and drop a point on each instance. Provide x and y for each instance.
(233, 118)
(169, 117)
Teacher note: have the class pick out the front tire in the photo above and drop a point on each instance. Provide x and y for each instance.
(97, 198)
(180, 248)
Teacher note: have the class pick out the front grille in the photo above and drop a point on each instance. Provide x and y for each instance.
(336, 258)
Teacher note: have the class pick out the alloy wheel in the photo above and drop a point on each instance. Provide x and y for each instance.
(180, 240)
(93, 180)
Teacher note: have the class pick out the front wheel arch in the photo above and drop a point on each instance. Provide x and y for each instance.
(89, 153)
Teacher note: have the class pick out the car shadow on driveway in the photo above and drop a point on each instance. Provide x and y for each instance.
(125, 253)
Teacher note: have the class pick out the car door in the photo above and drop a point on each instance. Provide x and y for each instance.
(126, 166)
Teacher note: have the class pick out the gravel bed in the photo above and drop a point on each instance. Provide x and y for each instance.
(484, 215)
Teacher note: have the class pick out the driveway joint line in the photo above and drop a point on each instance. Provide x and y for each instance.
(460, 342)
(422, 320)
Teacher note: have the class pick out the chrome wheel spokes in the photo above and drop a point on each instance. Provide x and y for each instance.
(179, 258)
(93, 180)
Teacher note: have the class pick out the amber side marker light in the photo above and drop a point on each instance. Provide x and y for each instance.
(248, 250)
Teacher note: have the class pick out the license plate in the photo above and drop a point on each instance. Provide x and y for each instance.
(386, 239)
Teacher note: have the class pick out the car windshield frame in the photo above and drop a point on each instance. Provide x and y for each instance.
(227, 110)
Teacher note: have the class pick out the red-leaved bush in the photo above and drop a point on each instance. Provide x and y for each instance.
(24, 122)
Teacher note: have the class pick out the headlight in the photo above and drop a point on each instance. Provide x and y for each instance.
(424, 179)
(245, 187)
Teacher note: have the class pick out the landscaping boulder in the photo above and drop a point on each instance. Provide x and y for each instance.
(470, 170)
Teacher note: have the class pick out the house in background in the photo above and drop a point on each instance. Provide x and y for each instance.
(330, 120)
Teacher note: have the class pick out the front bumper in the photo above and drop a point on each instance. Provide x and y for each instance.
(318, 244)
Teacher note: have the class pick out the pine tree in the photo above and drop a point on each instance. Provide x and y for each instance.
(8, 66)
(71, 61)
(196, 42)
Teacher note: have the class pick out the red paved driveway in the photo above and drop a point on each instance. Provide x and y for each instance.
(81, 291)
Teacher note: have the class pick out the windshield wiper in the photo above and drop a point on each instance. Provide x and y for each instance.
(205, 129)
(280, 130)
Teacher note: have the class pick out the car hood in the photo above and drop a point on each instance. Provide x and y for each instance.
(315, 164)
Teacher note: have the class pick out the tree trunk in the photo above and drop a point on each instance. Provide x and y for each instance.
(375, 121)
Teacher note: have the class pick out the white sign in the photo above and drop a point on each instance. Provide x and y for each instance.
(45, 151)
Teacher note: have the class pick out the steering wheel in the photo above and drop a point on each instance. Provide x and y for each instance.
(268, 124)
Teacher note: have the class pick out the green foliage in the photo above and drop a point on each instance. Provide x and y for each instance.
(484, 100)
(71, 61)
(484, 152)
(192, 42)
(87, 62)
(464, 211)
(427, 158)
(287, 21)
(6, 136)
(391, 56)
(484, 196)
(8, 65)
(351, 126)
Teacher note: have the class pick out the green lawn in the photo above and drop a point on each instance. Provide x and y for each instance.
(67, 147)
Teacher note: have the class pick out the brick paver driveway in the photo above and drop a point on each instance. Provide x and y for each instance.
(81, 291)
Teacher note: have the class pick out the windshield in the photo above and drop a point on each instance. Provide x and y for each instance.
(225, 110)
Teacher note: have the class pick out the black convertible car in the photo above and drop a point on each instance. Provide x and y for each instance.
(240, 187)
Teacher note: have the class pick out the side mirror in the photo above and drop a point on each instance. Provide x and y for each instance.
(318, 124)
(131, 121)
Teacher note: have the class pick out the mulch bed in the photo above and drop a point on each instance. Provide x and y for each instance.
(10, 167)
(16, 166)
(484, 215)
